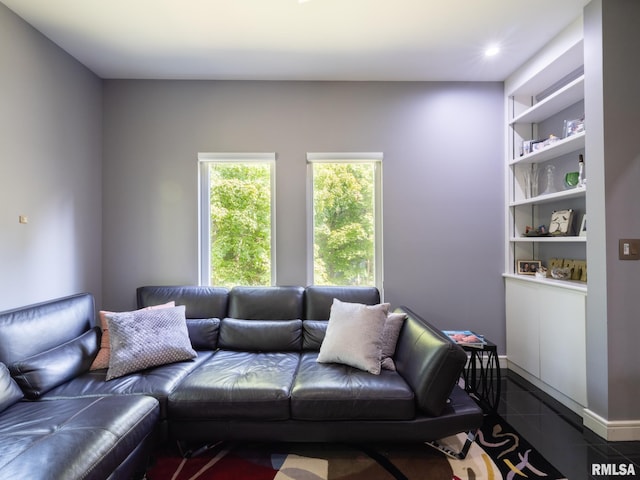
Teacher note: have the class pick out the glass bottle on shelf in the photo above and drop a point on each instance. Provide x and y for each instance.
(551, 186)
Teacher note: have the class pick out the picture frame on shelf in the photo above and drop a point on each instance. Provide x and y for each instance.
(573, 127)
(561, 223)
(583, 226)
(528, 267)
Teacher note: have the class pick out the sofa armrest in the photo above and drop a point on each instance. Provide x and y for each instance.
(429, 362)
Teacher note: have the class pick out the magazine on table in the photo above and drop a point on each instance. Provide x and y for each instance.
(466, 338)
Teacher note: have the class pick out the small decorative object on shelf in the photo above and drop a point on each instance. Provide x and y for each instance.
(573, 127)
(561, 273)
(551, 187)
(528, 267)
(568, 269)
(541, 272)
(581, 180)
(531, 180)
(561, 222)
(572, 179)
(583, 226)
(541, 231)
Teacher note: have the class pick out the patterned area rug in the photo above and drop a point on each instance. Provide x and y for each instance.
(498, 453)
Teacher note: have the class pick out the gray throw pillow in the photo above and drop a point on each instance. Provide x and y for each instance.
(354, 335)
(10, 392)
(390, 334)
(147, 338)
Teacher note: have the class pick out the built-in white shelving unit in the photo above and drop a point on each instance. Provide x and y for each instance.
(547, 90)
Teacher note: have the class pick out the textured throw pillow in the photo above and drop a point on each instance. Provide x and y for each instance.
(102, 359)
(10, 392)
(354, 335)
(390, 334)
(147, 338)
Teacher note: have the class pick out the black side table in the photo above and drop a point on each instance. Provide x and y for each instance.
(481, 376)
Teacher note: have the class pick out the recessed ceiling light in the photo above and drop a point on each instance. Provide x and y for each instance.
(492, 51)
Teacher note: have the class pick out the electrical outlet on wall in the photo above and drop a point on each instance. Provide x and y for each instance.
(629, 249)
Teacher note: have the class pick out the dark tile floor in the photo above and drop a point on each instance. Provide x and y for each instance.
(557, 433)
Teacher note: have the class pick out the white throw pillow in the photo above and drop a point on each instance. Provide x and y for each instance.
(147, 338)
(354, 335)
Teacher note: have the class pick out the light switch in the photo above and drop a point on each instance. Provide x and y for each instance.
(629, 249)
(23, 219)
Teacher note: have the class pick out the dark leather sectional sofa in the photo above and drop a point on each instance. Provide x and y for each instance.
(255, 378)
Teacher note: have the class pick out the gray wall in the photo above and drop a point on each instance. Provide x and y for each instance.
(50, 169)
(442, 181)
(613, 174)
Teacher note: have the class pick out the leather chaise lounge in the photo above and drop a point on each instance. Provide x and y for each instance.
(255, 376)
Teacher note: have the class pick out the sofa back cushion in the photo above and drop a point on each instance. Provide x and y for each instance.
(199, 301)
(266, 303)
(40, 373)
(203, 333)
(10, 392)
(260, 335)
(33, 329)
(318, 299)
(313, 333)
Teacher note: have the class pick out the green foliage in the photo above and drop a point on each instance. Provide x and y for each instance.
(240, 224)
(344, 219)
(344, 223)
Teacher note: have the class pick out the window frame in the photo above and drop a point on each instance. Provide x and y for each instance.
(374, 158)
(205, 159)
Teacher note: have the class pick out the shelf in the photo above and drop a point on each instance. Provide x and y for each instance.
(566, 96)
(551, 197)
(552, 282)
(559, 148)
(558, 239)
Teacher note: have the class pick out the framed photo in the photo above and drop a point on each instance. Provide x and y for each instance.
(561, 222)
(528, 267)
(573, 127)
(583, 226)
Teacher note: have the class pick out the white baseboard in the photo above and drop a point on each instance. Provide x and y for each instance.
(612, 430)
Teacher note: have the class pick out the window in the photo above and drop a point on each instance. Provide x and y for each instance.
(236, 219)
(345, 218)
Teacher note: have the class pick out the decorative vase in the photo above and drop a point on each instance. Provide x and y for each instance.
(551, 186)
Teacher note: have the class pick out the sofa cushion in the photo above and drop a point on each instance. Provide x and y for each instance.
(203, 333)
(10, 392)
(339, 392)
(79, 438)
(147, 338)
(30, 330)
(237, 385)
(354, 335)
(261, 335)
(319, 298)
(266, 303)
(42, 372)
(199, 301)
(313, 332)
(157, 382)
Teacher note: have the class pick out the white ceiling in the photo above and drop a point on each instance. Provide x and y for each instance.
(292, 40)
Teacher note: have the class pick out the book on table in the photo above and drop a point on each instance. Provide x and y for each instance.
(466, 338)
